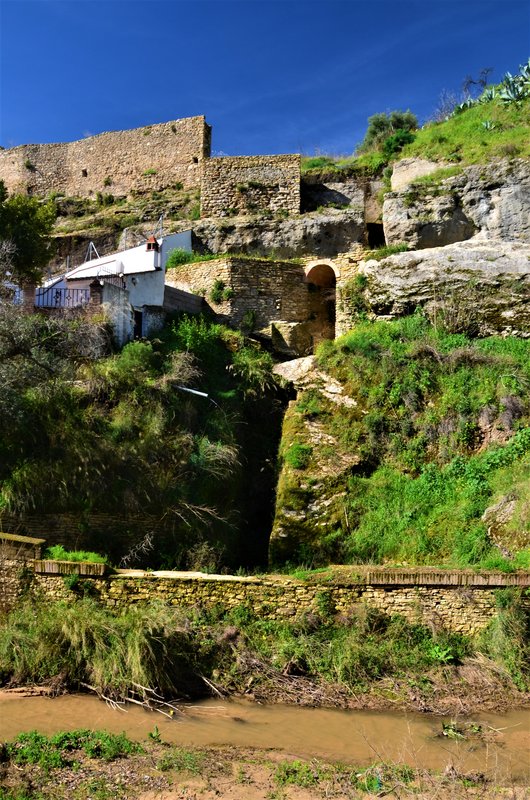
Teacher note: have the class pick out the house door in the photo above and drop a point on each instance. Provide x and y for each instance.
(138, 324)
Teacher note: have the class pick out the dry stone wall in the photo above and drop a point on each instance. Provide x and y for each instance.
(246, 184)
(118, 162)
(458, 601)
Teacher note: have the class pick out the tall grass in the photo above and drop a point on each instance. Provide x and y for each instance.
(464, 138)
(169, 650)
(82, 643)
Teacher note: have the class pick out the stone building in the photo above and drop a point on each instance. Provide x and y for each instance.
(292, 302)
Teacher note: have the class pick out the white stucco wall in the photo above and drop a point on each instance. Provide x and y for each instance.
(146, 288)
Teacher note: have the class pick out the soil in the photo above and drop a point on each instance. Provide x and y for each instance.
(241, 774)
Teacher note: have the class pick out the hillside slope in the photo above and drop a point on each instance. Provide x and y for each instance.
(396, 449)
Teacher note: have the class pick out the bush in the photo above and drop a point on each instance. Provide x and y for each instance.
(383, 126)
(395, 143)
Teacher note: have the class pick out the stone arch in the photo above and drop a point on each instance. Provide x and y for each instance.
(321, 279)
(321, 262)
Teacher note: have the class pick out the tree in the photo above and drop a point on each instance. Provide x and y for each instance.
(382, 126)
(25, 227)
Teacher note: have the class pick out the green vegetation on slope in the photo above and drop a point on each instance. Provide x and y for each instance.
(171, 649)
(119, 434)
(107, 214)
(494, 125)
(440, 431)
(477, 135)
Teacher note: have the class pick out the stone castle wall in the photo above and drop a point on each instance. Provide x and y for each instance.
(154, 158)
(118, 162)
(245, 184)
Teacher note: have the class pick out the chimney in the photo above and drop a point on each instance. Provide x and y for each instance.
(152, 244)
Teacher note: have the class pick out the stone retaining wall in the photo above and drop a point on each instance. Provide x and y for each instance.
(269, 290)
(459, 601)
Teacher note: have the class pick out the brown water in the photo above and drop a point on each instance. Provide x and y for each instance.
(351, 736)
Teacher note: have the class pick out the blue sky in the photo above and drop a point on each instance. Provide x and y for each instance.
(271, 76)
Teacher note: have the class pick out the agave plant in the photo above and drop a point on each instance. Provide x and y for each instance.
(488, 125)
(488, 95)
(524, 71)
(464, 106)
(513, 91)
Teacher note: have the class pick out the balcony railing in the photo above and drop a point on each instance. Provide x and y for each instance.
(61, 298)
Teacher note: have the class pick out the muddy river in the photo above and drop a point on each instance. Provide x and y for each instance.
(357, 737)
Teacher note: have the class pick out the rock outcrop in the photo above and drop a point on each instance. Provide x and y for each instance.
(479, 286)
(320, 234)
(492, 200)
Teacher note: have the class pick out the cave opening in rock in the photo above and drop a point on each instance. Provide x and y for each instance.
(376, 234)
(321, 284)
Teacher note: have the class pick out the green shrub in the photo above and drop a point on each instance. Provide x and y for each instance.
(181, 759)
(57, 751)
(180, 256)
(395, 143)
(220, 293)
(296, 773)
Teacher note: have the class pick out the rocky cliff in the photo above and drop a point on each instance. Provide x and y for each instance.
(481, 286)
(438, 207)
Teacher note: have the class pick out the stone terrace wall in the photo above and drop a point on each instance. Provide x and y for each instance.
(244, 184)
(458, 601)
(271, 290)
(115, 162)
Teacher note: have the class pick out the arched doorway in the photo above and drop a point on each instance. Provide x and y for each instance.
(321, 283)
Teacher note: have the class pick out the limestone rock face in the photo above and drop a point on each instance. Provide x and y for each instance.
(408, 169)
(491, 200)
(478, 284)
(508, 521)
(321, 234)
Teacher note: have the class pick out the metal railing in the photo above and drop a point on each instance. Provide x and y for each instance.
(61, 298)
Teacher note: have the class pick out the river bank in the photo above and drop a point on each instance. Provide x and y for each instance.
(244, 750)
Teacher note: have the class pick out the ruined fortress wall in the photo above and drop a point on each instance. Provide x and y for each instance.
(143, 159)
(270, 290)
(245, 184)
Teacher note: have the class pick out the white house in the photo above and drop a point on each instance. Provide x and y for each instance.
(142, 269)
(133, 284)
